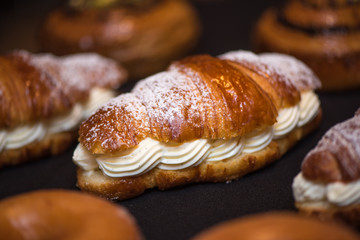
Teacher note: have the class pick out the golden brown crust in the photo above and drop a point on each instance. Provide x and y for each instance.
(144, 40)
(330, 47)
(64, 214)
(282, 94)
(36, 87)
(336, 156)
(277, 225)
(51, 145)
(215, 100)
(39, 88)
(347, 214)
(122, 188)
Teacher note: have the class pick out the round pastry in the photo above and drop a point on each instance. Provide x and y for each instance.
(143, 35)
(64, 214)
(277, 225)
(324, 34)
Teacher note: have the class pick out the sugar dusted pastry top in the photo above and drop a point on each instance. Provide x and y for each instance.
(193, 99)
(337, 155)
(39, 86)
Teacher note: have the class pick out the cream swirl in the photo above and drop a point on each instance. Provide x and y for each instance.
(337, 193)
(286, 121)
(309, 107)
(305, 190)
(257, 140)
(66, 122)
(180, 156)
(131, 162)
(84, 158)
(2, 139)
(24, 135)
(223, 149)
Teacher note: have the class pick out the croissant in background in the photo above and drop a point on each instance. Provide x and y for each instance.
(324, 34)
(328, 184)
(204, 119)
(142, 35)
(43, 99)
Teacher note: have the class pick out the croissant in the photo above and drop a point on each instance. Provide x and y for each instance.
(328, 184)
(44, 98)
(203, 119)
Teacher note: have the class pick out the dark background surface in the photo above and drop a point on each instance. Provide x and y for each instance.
(181, 212)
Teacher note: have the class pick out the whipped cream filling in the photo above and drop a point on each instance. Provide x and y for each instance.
(286, 121)
(223, 149)
(25, 134)
(309, 107)
(336, 193)
(138, 160)
(257, 140)
(180, 156)
(131, 162)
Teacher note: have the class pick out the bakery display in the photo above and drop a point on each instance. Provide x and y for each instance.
(64, 214)
(44, 98)
(143, 35)
(327, 185)
(323, 34)
(204, 119)
(277, 225)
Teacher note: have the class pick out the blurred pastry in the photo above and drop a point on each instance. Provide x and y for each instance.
(324, 34)
(64, 214)
(142, 35)
(276, 226)
(328, 185)
(205, 119)
(44, 98)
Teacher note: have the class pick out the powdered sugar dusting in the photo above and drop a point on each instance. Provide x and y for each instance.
(76, 73)
(302, 76)
(170, 99)
(120, 123)
(343, 140)
(250, 59)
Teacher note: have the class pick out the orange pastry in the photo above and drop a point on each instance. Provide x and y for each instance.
(64, 214)
(275, 226)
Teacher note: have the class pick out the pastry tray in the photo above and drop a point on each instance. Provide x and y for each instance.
(181, 212)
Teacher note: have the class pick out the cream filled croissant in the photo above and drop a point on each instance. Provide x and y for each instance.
(329, 182)
(204, 119)
(44, 98)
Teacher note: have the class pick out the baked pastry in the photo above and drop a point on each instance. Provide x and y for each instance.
(277, 225)
(203, 119)
(142, 35)
(324, 34)
(44, 98)
(327, 185)
(64, 214)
